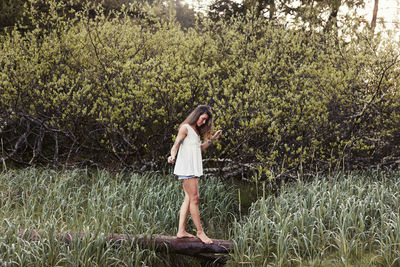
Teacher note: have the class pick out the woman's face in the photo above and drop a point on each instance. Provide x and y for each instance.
(202, 119)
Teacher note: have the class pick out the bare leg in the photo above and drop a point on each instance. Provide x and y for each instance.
(182, 218)
(191, 187)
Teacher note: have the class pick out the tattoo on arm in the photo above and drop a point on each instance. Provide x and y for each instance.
(179, 141)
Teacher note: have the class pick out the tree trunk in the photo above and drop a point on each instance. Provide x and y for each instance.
(374, 15)
(332, 19)
(272, 9)
(184, 246)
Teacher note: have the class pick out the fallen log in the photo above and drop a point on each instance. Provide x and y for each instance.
(185, 246)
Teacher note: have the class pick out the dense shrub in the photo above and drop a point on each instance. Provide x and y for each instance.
(112, 90)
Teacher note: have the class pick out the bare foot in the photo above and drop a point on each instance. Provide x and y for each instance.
(205, 239)
(184, 234)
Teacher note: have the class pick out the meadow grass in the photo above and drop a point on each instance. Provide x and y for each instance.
(348, 220)
(98, 202)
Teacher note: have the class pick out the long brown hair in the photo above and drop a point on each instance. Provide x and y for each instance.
(206, 129)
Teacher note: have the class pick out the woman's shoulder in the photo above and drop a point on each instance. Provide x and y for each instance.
(184, 128)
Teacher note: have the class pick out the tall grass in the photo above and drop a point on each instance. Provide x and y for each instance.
(340, 221)
(97, 202)
(332, 221)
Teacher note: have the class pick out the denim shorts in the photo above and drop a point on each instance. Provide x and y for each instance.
(183, 177)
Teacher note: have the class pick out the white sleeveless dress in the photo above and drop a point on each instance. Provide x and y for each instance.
(189, 160)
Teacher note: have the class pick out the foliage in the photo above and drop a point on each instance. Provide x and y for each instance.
(27, 14)
(337, 221)
(10, 11)
(305, 13)
(298, 98)
(111, 90)
(97, 203)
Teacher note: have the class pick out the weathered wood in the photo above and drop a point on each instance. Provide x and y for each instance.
(185, 246)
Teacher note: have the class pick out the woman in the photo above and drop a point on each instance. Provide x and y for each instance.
(197, 127)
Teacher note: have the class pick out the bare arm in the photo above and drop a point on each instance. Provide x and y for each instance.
(205, 145)
(183, 131)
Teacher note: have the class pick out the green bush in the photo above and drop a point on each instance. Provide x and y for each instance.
(111, 91)
(298, 99)
(10, 12)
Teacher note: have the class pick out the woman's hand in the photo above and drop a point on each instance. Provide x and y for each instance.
(217, 134)
(171, 159)
(209, 142)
